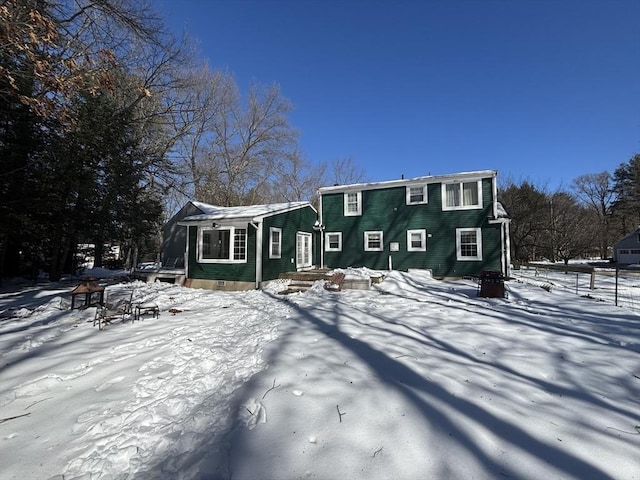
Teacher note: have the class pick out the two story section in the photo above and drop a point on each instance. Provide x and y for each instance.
(452, 225)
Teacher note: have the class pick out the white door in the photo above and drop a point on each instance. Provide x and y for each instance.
(303, 250)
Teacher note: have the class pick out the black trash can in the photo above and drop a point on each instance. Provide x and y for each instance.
(492, 284)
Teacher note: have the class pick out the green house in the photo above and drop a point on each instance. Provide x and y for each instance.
(240, 248)
(452, 225)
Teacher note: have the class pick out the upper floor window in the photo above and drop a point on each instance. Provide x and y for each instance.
(416, 240)
(373, 242)
(352, 204)
(275, 242)
(223, 245)
(333, 242)
(462, 196)
(468, 244)
(416, 194)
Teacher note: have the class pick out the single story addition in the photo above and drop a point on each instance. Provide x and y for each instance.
(240, 248)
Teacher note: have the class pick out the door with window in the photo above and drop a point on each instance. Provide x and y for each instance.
(303, 250)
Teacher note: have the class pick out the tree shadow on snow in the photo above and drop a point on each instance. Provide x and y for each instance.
(427, 396)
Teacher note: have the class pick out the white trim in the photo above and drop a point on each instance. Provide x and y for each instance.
(424, 189)
(273, 230)
(423, 240)
(327, 243)
(465, 258)
(366, 241)
(232, 238)
(358, 211)
(321, 228)
(477, 206)
(259, 228)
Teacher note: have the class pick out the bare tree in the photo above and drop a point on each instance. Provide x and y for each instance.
(570, 231)
(297, 179)
(344, 171)
(249, 143)
(595, 191)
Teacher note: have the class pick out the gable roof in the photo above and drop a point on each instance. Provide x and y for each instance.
(249, 212)
(455, 177)
(631, 238)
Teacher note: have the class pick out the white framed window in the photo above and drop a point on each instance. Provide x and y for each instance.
(275, 242)
(222, 245)
(416, 240)
(469, 244)
(373, 241)
(462, 196)
(416, 194)
(333, 241)
(352, 204)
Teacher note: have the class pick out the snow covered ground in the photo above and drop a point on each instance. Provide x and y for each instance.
(415, 379)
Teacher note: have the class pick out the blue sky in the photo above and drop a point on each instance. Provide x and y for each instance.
(542, 90)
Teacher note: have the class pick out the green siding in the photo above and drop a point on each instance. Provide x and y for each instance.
(386, 210)
(244, 272)
(299, 220)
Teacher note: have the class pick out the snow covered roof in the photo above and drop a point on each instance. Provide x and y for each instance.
(252, 212)
(454, 177)
(501, 212)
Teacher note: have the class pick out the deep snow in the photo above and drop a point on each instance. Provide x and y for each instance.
(415, 379)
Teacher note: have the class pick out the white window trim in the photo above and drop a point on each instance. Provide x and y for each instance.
(423, 240)
(366, 241)
(359, 200)
(425, 199)
(327, 248)
(466, 258)
(273, 230)
(232, 236)
(445, 207)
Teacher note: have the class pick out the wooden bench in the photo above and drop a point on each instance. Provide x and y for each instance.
(335, 284)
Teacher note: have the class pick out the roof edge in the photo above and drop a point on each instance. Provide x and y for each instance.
(409, 181)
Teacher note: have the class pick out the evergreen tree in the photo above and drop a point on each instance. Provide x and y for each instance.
(626, 187)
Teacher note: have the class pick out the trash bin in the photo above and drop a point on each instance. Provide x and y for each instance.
(492, 284)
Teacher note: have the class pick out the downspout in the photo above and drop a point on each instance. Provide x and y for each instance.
(186, 257)
(494, 187)
(258, 228)
(321, 231)
(507, 247)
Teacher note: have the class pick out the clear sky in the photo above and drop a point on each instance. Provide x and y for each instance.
(542, 90)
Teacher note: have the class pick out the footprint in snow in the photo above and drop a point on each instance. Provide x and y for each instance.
(109, 384)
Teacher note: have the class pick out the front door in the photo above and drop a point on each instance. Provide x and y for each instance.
(303, 250)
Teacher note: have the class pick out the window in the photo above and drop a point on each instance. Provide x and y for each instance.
(352, 204)
(223, 245)
(462, 196)
(373, 242)
(333, 242)
(416, 194)
(416, 240)
(275, 242)
(469, 244)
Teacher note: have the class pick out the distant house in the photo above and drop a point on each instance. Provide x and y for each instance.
(452, 225)
(627, 249)
(239, 248)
